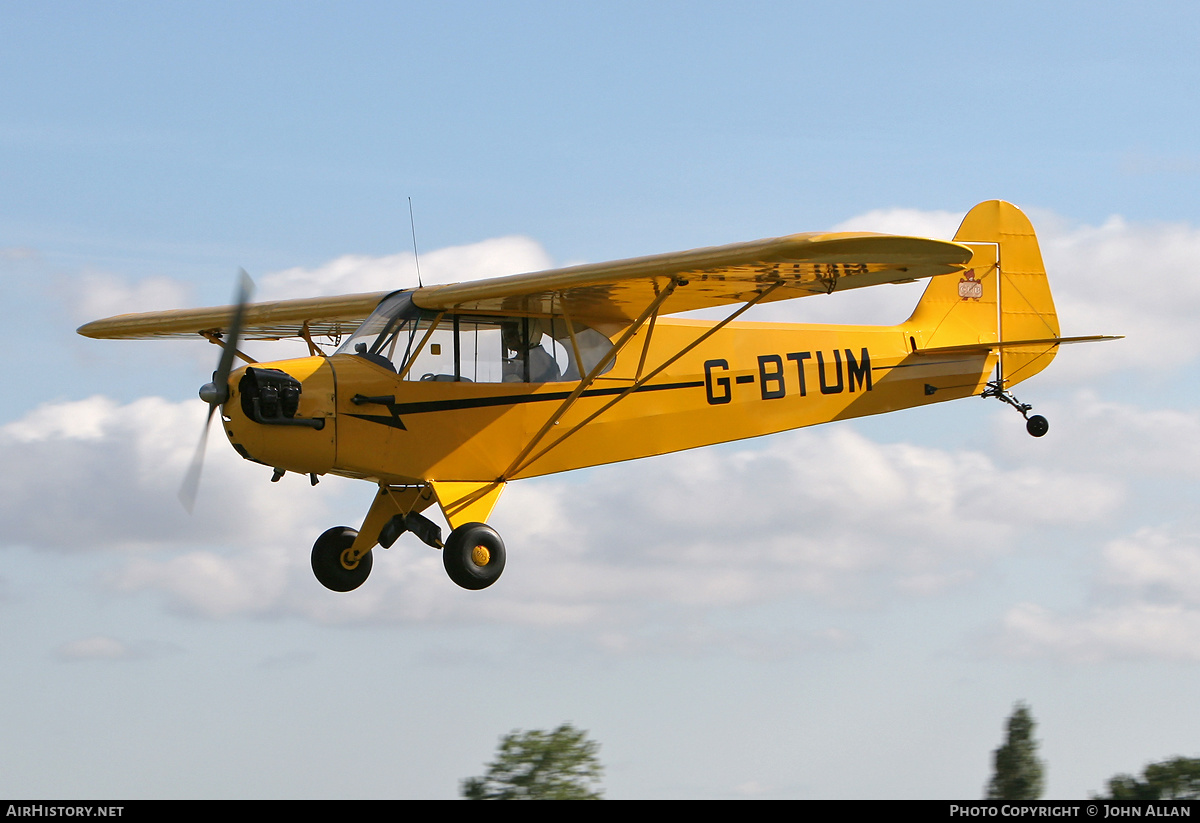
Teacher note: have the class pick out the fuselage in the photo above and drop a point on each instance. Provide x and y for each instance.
(745, 380)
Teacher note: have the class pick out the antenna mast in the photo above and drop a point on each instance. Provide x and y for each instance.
(416, 259)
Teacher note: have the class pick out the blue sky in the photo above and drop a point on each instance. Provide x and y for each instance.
(727, 622)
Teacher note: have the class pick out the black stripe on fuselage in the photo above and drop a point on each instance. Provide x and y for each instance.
(423, 406)
(927, 362)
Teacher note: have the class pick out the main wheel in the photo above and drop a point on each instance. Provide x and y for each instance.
(474, 556)
(330, 555)
(1037, 425)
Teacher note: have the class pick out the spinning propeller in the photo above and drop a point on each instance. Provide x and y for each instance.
(217, 392)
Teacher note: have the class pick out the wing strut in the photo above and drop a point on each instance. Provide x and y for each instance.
(313, 349)
(645, 348)
(214, 337)
(520, 463)
(570, 330)
(651, 311)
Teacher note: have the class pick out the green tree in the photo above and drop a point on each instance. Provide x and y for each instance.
(1174, 779)
(1018, 772)
(540, 765)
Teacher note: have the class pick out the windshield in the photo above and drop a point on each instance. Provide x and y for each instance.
(380, 333)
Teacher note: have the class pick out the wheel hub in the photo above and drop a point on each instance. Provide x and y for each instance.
(480, 555)
(349, 561)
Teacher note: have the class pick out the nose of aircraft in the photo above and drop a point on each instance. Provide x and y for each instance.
(282, 414)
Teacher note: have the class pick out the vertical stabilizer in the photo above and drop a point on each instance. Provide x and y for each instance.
(1002, 296)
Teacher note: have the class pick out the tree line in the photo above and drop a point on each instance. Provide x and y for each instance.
(564, 764)
(1017, 772)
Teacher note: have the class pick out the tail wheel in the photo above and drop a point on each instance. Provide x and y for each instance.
(1037, 425)
(474, 556)
(332, 564)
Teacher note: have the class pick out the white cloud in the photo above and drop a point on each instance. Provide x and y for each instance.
(1143, 600)
(95, 295)
(1117, 439)
(1131, 279)
(361, 273)
(1149, 607)
(1134, 631)
(251, 580)
(827, 514)
(1157, 565)
(94, 474)
(821, 512)
(911, 222)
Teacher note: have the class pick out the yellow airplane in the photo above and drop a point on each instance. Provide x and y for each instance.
(442, 394)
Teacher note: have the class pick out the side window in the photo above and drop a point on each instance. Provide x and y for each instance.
(529, 352)
(436, 360)
(593, 346)
(505, 350)
(482, 350)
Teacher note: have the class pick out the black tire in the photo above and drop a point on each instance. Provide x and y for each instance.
(1037, 425)
(327, 560)
(474, 556)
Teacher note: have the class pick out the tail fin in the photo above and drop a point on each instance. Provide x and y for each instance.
(1001, 298)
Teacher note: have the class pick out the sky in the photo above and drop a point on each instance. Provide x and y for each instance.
(846, 611)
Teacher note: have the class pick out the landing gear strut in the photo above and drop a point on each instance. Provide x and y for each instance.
(1035, 425)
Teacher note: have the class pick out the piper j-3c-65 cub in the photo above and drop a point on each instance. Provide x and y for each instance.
(443, 394)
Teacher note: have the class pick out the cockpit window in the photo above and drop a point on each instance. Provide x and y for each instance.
(474, 348)
(378, 336)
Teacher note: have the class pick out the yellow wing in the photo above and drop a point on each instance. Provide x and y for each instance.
(619, 291)
(323, 316)
(816, 263)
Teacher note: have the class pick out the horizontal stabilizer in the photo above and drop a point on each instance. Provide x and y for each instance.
(984, 348)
